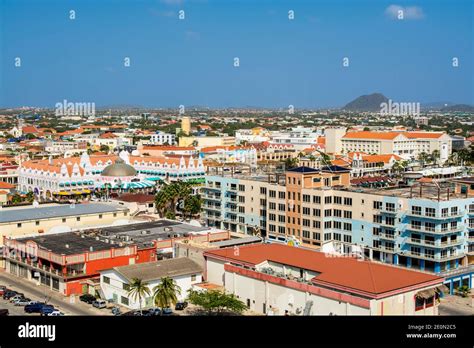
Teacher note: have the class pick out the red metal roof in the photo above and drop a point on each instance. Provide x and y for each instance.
(339, 272)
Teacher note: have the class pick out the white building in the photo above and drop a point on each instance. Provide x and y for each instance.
(161, 138)
(115, 282)
(277, 279)
(405, 144)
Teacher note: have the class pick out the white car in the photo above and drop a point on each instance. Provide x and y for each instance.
(55, 314)
(22, 302)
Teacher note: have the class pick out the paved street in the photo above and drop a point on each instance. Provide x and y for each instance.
(38, 293)
(455, 305)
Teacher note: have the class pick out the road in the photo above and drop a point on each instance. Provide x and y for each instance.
(37, 293)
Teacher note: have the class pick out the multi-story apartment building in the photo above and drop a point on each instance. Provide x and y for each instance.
(161, 138)
(429, 227)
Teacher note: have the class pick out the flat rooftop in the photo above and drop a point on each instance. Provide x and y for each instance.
(145, 233)
(8, 215)
(443, 191)
(68, 243)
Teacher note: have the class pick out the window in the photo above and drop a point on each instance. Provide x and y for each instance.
(377, 205)
(327, 224)
(193, 278)
(337, 225)
(316, 212)
(347, 226)
(348, 201)
(307, 198)
(390, 221)
(378, 219)
(337, 200)
(430, 212)
(415, 210)
(416, 224)
(64, 220)
(100, 216)
(337, 236)
(241, 188)
(306, 211)
(347, 214)
(337, 213)
(18, 225)
(327, 212)
(106, 280)
(327, 236)
(124, 300)
(347, 239)
(306, 234)
(316, 236)
(37, 223)
(328, 200)
(317, 200)
(281, 195)
(272, 194)
(272, 206)
(126, 286)
(78, 218)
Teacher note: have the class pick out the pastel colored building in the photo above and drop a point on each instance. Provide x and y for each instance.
(277, 279)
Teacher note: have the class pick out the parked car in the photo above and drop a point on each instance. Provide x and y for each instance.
(99, 304)
(155, 311)
(47, 309)
(34, 308)
(180, 306)
(55, 313)
(3, 288)
(116, 311)
(87, 298)
(167, 311)
(22, 302)
(4, 312)
(9, 294)
(16, 298)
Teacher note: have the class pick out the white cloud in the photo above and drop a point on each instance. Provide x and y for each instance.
(407, 12)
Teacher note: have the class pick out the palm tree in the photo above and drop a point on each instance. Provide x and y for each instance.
(435, 155)
(423, 157)
(138, 290)
(166, 293)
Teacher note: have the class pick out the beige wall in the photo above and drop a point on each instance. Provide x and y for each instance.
(46, 225)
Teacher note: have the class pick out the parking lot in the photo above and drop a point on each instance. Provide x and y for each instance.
(67, 305)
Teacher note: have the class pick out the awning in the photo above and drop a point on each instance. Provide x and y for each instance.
(426, 294)
(442, 289)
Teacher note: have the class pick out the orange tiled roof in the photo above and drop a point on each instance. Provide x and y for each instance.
(372, 135)
(427, 135)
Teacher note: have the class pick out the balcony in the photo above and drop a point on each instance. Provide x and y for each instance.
(391, 211)
(432, 243)
(387, 249)
(387, 236)
(437, 231)
(435, 216)
(212, 197)
(432, 257)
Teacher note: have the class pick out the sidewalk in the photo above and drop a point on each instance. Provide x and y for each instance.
(39, 292)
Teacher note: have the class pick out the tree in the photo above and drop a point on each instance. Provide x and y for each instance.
(435, 155)
(192, 205)
(399, 166)
(423, 157)
(138, 290)
(104, 148)
(166, 293)
(215, 302)
(290, 163)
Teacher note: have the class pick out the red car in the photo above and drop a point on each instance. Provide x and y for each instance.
(2, 289)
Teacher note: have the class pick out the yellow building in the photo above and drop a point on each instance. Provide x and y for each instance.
(207, 141)
(186, 125)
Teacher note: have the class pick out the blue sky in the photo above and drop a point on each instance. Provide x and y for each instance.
(190, 61)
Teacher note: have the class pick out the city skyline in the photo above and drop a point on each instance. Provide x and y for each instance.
(190, 61)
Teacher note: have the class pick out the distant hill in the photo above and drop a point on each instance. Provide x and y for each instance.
(458, 108)
(369, 102)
